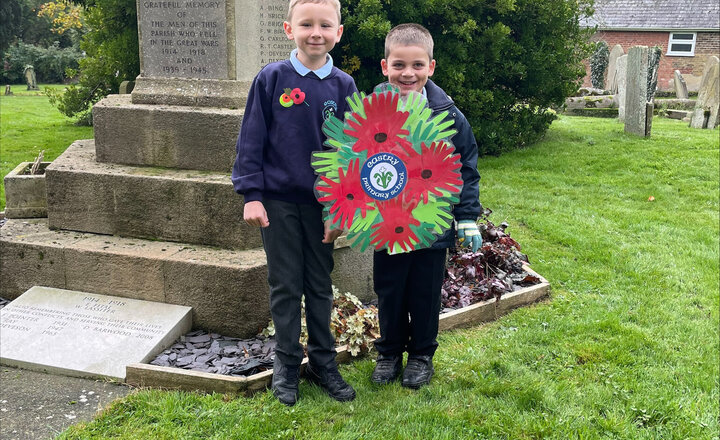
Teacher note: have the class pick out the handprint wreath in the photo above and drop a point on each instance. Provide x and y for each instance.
(391, 176)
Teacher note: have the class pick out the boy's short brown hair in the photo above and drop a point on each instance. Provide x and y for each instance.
(409, 34)
(333, 3)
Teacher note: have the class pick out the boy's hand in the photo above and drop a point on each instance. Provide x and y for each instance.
(330, 233)
(469, 234)
(255, 214)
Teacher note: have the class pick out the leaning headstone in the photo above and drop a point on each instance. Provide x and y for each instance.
(706, 113)
(636, 91)
(611, 79)
(620, 74)
(30, 79)
(84, 334)
(681, 91)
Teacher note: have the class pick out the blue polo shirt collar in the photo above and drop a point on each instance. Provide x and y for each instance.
(302, 70)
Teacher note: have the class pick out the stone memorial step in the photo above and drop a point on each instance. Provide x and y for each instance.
(195, 207)
(86, 334)
(169, 136)
(226, 289)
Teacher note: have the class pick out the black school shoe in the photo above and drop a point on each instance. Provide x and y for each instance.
(285, 381)
(330, 380)
(418, 371)
(387, 369)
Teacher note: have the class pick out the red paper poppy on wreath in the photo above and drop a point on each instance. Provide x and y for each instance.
(395, 227)
(381, 130)
(347, 194)
(433, 169)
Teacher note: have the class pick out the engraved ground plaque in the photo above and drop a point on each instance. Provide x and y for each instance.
(84, 334)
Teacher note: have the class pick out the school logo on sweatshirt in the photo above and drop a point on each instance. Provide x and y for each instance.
(329, 109)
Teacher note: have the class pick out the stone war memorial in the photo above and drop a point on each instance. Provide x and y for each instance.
(145, 214)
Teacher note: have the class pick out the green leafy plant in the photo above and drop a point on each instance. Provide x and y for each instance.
(111, 46)
(598, 64)
(352, 323)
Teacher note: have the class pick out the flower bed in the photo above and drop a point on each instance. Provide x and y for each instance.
(480, 287)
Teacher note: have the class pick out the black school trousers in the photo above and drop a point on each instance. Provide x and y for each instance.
(408, 288)
(299, 264)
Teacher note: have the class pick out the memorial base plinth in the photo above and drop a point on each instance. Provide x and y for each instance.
(171, 136)
(221, 93)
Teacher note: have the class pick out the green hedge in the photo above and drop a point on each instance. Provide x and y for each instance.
(503, 61)
(50, 64)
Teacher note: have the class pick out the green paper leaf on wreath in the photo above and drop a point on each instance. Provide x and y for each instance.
(425, 233)
(436, 213)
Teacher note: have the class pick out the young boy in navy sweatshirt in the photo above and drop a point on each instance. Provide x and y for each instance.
(408, 284)
(286, 107)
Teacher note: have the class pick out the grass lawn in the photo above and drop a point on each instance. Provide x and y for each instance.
(626, 347)
(29, 124)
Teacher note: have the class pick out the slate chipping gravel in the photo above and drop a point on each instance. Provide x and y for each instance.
(214, 353)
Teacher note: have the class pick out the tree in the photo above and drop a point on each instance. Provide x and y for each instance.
(504, 62)
(112, 56)
(65, 16)
(10, 22)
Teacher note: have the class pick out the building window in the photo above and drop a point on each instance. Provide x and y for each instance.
(681, 44)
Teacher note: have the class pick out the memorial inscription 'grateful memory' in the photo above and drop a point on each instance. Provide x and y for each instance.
(86, 334)
(183, 39)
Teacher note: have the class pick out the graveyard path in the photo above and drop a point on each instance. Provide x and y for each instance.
(36, 405)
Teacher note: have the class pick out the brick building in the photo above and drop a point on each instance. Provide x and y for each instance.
(687, 30)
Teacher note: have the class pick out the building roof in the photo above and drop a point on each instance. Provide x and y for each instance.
(655, 15)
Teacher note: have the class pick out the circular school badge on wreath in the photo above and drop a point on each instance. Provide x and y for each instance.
(391, 176)
(383, 176)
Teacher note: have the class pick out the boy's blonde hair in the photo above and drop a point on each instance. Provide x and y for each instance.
(334, 3)
(409, 34)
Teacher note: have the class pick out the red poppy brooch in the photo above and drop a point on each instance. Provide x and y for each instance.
(391, 175)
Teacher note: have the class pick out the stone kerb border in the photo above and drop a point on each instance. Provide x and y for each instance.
(146, 375)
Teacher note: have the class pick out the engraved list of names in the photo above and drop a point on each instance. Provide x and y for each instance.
(260, 35)
(183, 39)
(272, 41)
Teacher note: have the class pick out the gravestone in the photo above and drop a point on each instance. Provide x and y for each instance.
(84, 334)
(636, 91)
(681, 91)
(29, 74)
(621, 75)
(706, 113)
(611, 79)
(8, 90)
